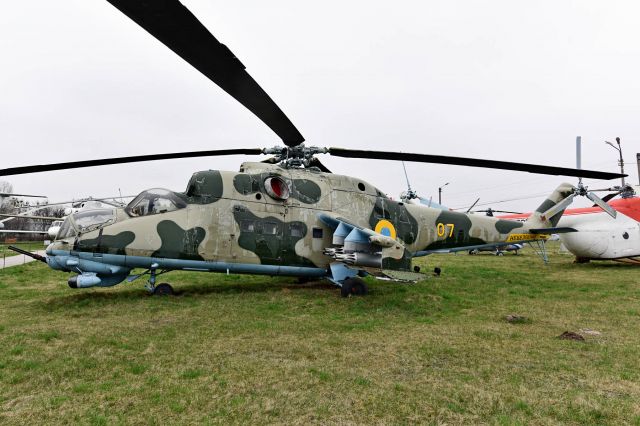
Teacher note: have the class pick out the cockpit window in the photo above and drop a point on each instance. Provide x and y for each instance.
(155, 201)
(66, 230)
(88, 220)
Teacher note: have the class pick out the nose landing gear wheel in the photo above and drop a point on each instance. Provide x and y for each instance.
(353, 287)
(163, 289)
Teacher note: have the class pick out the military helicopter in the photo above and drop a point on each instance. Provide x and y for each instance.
(285, 216)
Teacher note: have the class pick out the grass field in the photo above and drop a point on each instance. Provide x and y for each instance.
(245, 349)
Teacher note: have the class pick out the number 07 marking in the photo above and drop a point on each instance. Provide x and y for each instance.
(441, 229)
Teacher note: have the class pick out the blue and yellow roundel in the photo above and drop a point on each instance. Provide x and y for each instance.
(386, 228)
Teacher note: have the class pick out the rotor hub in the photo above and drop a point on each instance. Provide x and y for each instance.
(295, 156)
(409, 194)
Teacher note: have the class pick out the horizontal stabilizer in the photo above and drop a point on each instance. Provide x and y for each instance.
(561, 230)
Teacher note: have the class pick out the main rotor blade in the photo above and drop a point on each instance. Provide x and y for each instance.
(472, 162)
(605, 189)
(604, 206)
(314, 162)
(10, 194)
(177, 28)
(498, 211)
(30, 217)
(123, 160)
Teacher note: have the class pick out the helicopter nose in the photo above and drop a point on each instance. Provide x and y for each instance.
(53, 232)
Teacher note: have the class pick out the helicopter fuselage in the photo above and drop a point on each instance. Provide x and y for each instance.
(265, 219)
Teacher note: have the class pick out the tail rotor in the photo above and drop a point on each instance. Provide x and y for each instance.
(580, 190)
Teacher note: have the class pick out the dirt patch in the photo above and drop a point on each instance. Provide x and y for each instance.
(517, 319)
(570, 335)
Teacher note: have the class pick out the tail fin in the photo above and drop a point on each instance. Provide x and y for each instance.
(537, 220)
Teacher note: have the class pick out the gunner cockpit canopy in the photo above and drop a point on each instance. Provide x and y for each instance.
(154, 201)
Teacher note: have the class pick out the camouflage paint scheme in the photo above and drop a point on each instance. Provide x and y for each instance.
(229, 217)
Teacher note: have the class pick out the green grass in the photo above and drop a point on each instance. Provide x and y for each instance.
(247, 349)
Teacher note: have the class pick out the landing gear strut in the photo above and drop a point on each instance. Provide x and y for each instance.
(162, 289)
(353, 286)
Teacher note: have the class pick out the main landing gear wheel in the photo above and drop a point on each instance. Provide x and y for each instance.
(353, 287)
(163, 289)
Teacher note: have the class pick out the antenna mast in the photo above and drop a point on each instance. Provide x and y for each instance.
(407, 176)
(579, 154)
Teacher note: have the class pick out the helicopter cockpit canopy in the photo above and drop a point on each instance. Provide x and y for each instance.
(85, 221)
(154, 201)
(88, 220)
(66, 230)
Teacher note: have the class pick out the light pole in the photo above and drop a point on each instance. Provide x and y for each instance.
(621, 162)
(440, 193)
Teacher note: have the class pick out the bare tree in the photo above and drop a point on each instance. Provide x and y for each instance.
(6, 187)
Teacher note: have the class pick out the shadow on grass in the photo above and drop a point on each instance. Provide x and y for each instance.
(599, 265)
(613, 265)
(251, 287)
(78, 298)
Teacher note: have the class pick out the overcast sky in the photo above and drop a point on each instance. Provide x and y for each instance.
(507, 80)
